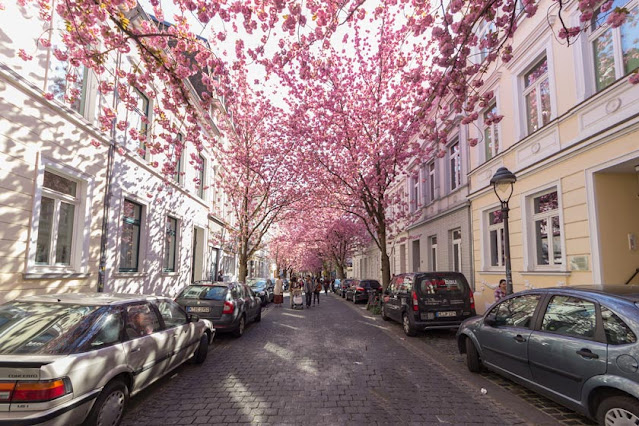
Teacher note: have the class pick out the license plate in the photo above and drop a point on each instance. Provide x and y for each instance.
(446, 314)
(198, 309)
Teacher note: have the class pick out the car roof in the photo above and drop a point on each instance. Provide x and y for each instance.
(100, 299)
(618, 291)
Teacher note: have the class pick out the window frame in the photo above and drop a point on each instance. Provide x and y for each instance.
(535, 86)
(499, 228)
(414, 186)
(144, 127)
(82, 220)
(494, 129)
(141, 223)
(176, 240)
(432, 252)
(456, 245)
(454, 164)
(201, 192)
(594, 34)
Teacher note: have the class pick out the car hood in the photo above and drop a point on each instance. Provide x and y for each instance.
(471, 323)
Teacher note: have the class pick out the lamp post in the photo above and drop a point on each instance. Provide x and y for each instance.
(502, 182)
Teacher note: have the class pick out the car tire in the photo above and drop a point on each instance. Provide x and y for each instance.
(258, 317)
(110, 405)
(384, 316)
(240, 327)
(202, 350)
(618, 409)
(472, 357)
(409, 330)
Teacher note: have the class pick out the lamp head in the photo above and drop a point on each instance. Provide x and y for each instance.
(502, 182)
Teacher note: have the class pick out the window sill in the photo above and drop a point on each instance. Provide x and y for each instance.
(55, 275)
(120, 274)
(552, 273)
(170, 274)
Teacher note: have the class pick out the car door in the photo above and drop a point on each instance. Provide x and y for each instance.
(251, 303)
(147, 345)
(392, 303)
(182, 333)
(569, 347)
(504, 334)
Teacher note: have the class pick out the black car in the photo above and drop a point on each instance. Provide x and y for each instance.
(428, 300)
(345, 285)
(263, 288)
(229, 306)
(362, 290)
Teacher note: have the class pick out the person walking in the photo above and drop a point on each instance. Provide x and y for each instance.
(295, 288)
(316, 291)
(278, 292)
(308, 290)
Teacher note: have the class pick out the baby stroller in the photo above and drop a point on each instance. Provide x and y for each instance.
(296, 294)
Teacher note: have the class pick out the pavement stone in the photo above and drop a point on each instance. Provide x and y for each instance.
(323, 365)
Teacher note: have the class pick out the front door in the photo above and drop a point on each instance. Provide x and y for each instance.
(147, 345)
(504, 342)
(565, 352)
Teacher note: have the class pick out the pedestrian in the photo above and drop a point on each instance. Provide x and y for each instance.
(220, 275)
(500, 291)
(308, 290)
(295, 289)
(278, 292)
(325, 283)
(316, 292)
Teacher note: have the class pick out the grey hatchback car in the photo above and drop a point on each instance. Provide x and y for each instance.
(575, 345)
(71, 359)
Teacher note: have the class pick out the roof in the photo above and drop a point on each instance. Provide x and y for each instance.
(627, 292)
(101, 299)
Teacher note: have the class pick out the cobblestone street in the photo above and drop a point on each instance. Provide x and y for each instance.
(331, 364)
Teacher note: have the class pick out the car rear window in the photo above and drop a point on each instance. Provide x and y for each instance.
(370, 284)
(203, 292)
(439, 285)
(46, 328)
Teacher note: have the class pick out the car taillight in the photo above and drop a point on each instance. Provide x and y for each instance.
(229, 308)
(34, 391)
(359, 289)
(472, 303)
(415, 302)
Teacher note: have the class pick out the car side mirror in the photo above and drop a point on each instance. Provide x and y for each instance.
(193, 318)
(490, 321)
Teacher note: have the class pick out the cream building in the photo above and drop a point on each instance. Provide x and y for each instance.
(569, 134)
(158, 235)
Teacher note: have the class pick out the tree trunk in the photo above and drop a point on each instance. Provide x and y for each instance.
(386, 274)
(243, 270)
(340, 272)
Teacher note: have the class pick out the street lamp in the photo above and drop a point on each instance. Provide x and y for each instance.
(502, 183)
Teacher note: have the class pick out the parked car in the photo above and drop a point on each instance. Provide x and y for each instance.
(345, 285)
(336, 285)
(362, 290)
(263, 288)
(428, 300)
(71, 359)
(575, 345)
(229, 306)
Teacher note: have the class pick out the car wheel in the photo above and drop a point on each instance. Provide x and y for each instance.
(202, 350)
(618, 410)
(240, 327)
(472, 357)
(384, 316)
(258, 318)
(109, 407)
(408, 328)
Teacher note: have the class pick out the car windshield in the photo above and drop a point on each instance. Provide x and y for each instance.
(259, 285)
(45, 328)
(442, 285)
(203, 292)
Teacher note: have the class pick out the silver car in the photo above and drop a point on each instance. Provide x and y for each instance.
(76, 358)
(577, 346)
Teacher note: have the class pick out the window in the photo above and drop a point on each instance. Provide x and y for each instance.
(486, 33)
(130, 238)
(547, 230)
(170, 242)
(455, 165)
(491, 133)
(433, 252)
(109, 327)
(175, 156)
(141, 321)
(201, 177)
(58, 206)
(615, 51)
(171, 313)
(537, 96)
(617, 332)
(414, 193)
(457, 255)
(570, 316)
(139, 118)
(431, 182)
(496, 238)
(516, 311)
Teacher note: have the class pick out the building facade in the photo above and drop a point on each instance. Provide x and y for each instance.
(74, 197)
